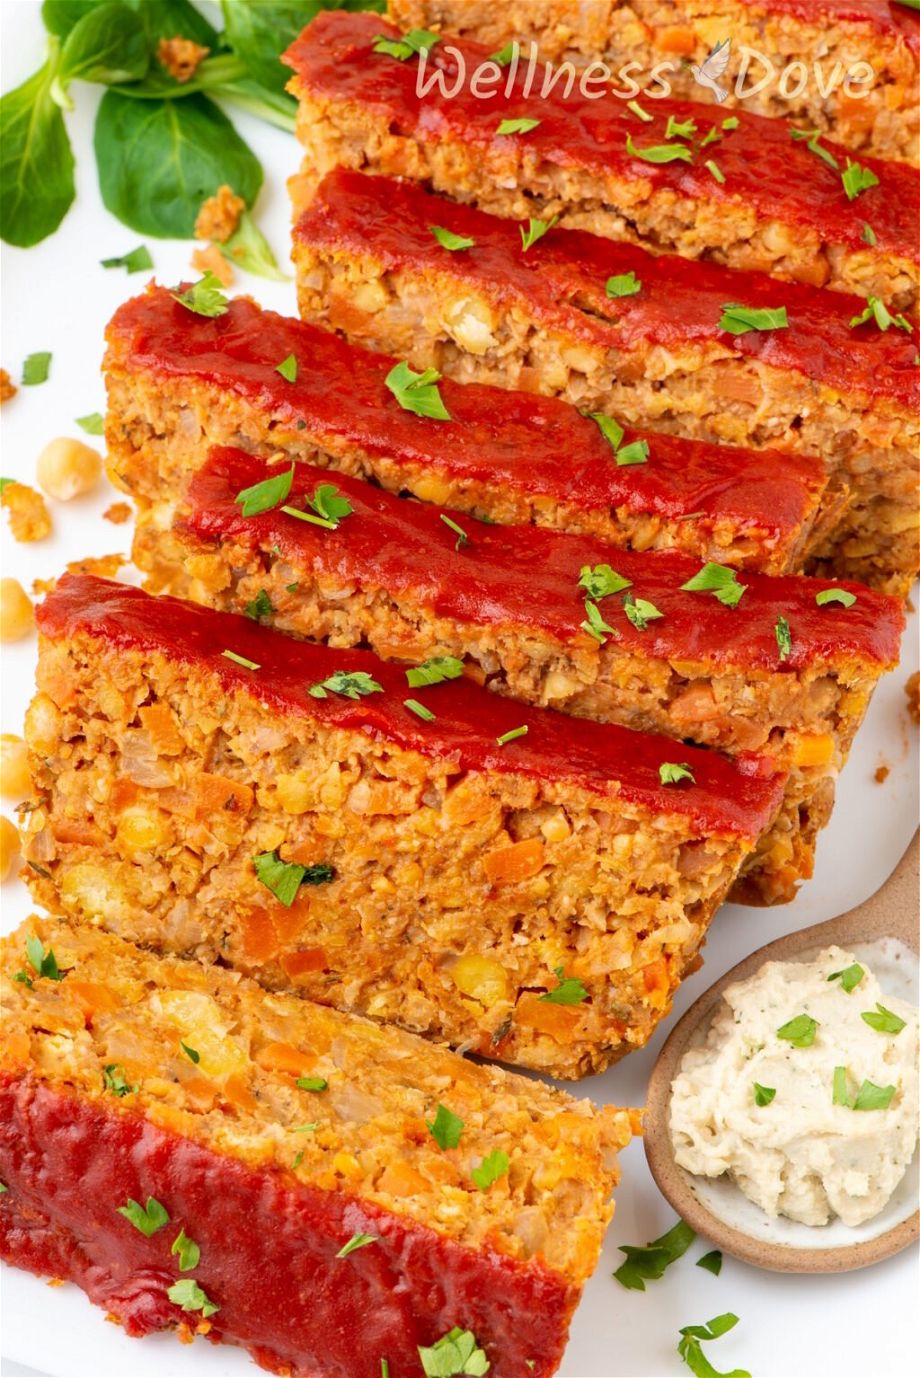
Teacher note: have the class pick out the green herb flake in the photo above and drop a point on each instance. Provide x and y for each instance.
(841, 1092)
(357, 1241)
(408, 45)
(261, 608)
(600, 581)
(456, 1353)
(306, 1128)
(311, 1084)
(680, 129)
(43, 963)
(505, 56)
(623, 285)
(148, 1220)
(284, 878)
(188, 1251)
(800, 1031)
(872, 1097)
(115, 1079)
(783, 638)
(647, 1263)
(882, 1020)
(491, 1167)
(636, 453)
(535, 230)
(241, 660)
(297, 1160)
(288, 368)
(713, 137)
(857, 179)
(354, 684)
(690, 1347)
(720, 581)
(610, 429)
(291, 588)
(639, 112)
(191, 1053)
(3, 1188)
(204, 297)
(570, 990)
(462, 538)
(24, 979)
(136, 261)
(712, 1262)
(868, 235)
(877, 310)
(738, 320)
(417, 392)
(813, 137)
(448, 240)
(93, 424)
(671, 773)
(512, 736)
(517, 126)
(763, 1095)
(331, 505)
(731, 123)
(187, 1294)
(841, 596)
(640, 612)
(434, 671)
(445, 1128)
(264, 496)
(36, 369)
(595, 625)
(713, 168)
(659, 153)
(419, 710)
(849, 977)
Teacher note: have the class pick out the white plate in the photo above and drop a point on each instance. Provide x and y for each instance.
(57, 297)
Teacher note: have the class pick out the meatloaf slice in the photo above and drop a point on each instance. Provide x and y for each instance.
(178, 382)
(858, 59)
(669, 174)
(435, 858)
(171, 1138)
(776, 672)
(671, 353)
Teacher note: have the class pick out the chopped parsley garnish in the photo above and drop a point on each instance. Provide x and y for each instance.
(133, 262)
(291, 588)
(763, 1095)
(462, 538)
(690, 1348)
(43, 963)
(331, 505)
(849, 977)
(260, 607)
(595, 625)
(680, 129)
(713, 137)
(351, 684)
(535, 230)
(262, 497)
(731, 122)
(3, 1188)
(610, 429)
(148, 1220)
(868, 235)
(408, 45)
(738, 320)
(872, 1097)
(641, 113)
(445, 1128)
(419, 710)
(600, 581)
(712, 1262)
(659, 153)
(288, 368)
(297, 1160)
(306, 1128)
(857, 179)
(882, 1020)
(35, 369)
(204, 297)
(492, 1166)
(311, 1084)
(517, 126)
(841, 596)
(783, 638)
(512, 736)
(187, 1294)
(647, 1263)
(284, 878)
(623, 285)
(841, 1091)
(671, 773)
(448, 240)
(713, 168)
(434, 671)
(417, 392)
(800, 1031)
(241, 660)
(718, 580)
(636, 453)
(570, 990)
(357, 1241)
(92, 424)
(640, 612)
(814, 146)
(877, 310)
(114, 1079)
(505, 55)
(188, 1251)
(456, 1353)
(191, 1053)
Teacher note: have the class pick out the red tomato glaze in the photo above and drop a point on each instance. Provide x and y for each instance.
(268, 1246)
(763, 167)
(562, 281)
(886, 17)
(527, 577)
(536, 446)
(734, 797)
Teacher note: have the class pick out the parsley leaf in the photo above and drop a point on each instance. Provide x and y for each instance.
(783, 638)
(456, 1353)
(640, 111)
(188, 1251)
(148, 1220)
(261, 606)
(512, 736)
(357, 1241)
(445, 1128)
(623, 285)
(505, 56)
(434, 671)
(640, 612)
(842, 596)
(680, 129)
(857, 179)
(877, 310)
(327, 502)
(114, 1079)
(636, 453)
(718, 580)
(713, 168)
(814, 146)
(670, 773)
(738, 320)
(241, 660)
(311, 1084)
(659, 153)
(288, 368)
(407, 45)
(284, 878)
(419, 710)
(204, 297)
(610, 429)
(92, 424)
(868, 235)
(517, 126)
(647, 1263)
(690, 1348)
(448, 240)
(35, 369)
(351, 684)
(417, 392)
(136, 261)
(731, 123)
(595, 625)
(462, 538)
(262, 497)
(493, 1166)
(841, 1093)
(763, 1095)
(800, 1031)
(849, 977)
(712, 1262)
(536, 229)
(570, 990)
(882, 1020)
(872, 1097)
(43, 963)
(187, 1294)
(191, 1053)
(599, 581)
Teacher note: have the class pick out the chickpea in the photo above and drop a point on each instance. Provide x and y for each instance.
(9, 847)
(16, 615)
(68, 468)
(15, 782)
(140, 830)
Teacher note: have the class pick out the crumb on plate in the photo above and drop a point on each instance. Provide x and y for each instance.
(118, 513)
(29, 516)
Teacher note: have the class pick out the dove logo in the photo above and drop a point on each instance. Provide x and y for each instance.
(707, 73)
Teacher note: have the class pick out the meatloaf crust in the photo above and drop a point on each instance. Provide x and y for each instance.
(271, 1135)
(210, 787)
(749, 196)
(509, 602)
(877, 114)
(178, 382)
(369, 266)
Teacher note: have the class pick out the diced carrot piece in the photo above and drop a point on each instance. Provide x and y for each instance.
(676, 38)
(282, 1057)
(260, 941)
(16, 1046)
(401, 1179)
(200, 1092)
(559, 1021)
(813, 749)
(289, 923)
(215, 792)
(123, 794)
(162, 728)
(302, 963)
(635, 1120)
(473, 671)
(93, 998)
(77, 834)
(236, 1092)
(520, 861)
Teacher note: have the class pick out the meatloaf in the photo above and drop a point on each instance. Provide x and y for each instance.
(506, 878)
(198, 1155)
(670, 174)
(178, 382)
(515, 605)
(678, 351)
(848, 69)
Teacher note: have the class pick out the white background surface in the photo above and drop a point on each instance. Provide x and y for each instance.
(862, 1325)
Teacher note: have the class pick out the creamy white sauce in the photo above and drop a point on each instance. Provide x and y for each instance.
(801, 1155)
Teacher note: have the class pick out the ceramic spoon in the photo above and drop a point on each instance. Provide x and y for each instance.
(883, 931)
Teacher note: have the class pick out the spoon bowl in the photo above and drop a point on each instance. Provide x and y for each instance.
(883, 931)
